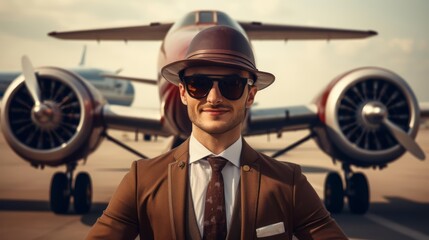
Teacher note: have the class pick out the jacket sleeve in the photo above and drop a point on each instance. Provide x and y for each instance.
(311, 219)
(119, 220)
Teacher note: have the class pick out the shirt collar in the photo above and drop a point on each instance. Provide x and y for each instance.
(197, 151)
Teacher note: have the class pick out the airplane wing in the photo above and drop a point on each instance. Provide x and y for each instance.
(153, 31)
(281, 119)
(293, 118)
(147, 120)
(262, 31)
(133, 79)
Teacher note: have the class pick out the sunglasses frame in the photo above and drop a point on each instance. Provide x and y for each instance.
(216, 78)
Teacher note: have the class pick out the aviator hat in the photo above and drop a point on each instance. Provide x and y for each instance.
(218, 46)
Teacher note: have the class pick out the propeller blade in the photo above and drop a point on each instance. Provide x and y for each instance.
(405, 140)
(31, 80)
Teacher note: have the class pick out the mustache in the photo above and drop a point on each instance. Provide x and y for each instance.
(217, 106)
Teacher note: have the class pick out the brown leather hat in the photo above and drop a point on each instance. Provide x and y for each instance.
(218, 46)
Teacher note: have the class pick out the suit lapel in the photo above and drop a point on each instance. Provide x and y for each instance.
(250, 182)
(192, 229)
(234, 231)
(177, 189)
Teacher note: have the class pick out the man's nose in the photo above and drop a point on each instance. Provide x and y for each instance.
(214, 97)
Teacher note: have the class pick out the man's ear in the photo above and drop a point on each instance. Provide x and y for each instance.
(182, 91)
(251, 96)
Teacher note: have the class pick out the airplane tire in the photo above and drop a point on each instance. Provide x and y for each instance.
(359, 194)
(60, 193)
(334, 193)
(147, 137)
(82, 193)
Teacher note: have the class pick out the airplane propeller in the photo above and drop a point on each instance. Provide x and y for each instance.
(43, 115)
(404, 139)
(31, 80)
(375, 113)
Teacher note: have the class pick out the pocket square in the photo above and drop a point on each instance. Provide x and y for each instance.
(270, 230)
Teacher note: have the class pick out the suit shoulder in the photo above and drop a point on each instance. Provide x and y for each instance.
(279, 164)
(281, 169)
(160, 161)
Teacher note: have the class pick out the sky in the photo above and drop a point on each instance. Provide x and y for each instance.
(302, 68)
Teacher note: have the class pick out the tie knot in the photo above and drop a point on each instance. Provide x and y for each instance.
(217, 163)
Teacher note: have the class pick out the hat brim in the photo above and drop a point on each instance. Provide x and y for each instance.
(171, 71)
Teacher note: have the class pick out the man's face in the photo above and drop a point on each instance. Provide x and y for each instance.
(215, 114)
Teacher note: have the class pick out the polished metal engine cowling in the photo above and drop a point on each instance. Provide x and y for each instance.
(64, 129)
(355, 109)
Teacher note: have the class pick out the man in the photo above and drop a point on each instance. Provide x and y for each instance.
(214, 185)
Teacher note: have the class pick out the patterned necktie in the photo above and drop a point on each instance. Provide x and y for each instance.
(214, 212)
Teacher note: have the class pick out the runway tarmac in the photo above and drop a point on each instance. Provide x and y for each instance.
(399, 194)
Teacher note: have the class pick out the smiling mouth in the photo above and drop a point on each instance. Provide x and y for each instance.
(215, 111)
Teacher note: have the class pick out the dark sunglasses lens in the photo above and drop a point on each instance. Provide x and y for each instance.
(232, 88)
(198, 87)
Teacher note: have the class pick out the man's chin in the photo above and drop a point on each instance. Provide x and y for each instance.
(221, 127)
(218, 129)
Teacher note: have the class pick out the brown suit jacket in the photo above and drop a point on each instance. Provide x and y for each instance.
(152, 200)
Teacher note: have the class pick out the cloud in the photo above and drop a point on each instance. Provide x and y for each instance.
(351, 48)
(403, 44)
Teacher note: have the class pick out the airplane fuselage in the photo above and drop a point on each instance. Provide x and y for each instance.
(118, 92)
(5, 79)
(174, 48)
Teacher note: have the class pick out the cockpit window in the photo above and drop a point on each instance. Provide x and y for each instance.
(223, 19)
(205, 17)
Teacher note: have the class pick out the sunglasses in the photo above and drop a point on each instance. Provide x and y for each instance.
(230, 86)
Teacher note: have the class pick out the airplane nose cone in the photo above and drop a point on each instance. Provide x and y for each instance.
(47, 115)
(373, 113)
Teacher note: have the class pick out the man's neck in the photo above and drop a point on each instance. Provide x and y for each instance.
(217, 143)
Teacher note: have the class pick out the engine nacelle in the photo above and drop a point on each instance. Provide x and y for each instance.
(353, 107)
(71, 127)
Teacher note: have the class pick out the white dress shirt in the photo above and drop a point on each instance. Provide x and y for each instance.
(200, 174)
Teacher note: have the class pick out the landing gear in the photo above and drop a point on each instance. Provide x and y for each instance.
(358, 194)
(62, 190)
(60, 193)
(334, 193)
(147, 137)
(356, 190)
(82, 193)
